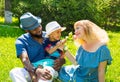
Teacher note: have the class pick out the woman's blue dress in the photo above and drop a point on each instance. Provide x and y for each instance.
(87, 68)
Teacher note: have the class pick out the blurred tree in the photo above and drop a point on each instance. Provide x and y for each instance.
(8, 13)
(104, 13)
(114, 15)
(2, 7)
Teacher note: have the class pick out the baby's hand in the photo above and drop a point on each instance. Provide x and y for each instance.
(62, 44)
(63, 41)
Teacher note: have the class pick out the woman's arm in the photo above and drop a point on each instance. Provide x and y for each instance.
(101, 71)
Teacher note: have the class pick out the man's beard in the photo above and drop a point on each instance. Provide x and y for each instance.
(37, 36)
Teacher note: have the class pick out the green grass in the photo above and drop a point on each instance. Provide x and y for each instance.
(113, 74)
(8, 58)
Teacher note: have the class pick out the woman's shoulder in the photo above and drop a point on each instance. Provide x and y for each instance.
(103, 47)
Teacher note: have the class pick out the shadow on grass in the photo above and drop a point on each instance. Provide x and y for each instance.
(15, 31)
(10, 31)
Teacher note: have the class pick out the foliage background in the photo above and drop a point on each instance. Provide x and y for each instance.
(105, 13)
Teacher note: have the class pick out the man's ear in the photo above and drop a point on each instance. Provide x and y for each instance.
(26, 30)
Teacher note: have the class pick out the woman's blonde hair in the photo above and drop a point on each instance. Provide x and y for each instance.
(92, 31)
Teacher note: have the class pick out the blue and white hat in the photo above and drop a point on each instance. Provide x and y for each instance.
(53, 26)
(29, 21)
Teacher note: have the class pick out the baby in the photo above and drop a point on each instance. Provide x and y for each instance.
(53, 47)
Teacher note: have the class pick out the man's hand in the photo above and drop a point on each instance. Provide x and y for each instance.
(58, 63)
(34, 78)
(43, 74)
(28, 66)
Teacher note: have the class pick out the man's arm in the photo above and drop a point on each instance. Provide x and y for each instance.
(26, 62)
(58, 63)
(35, 73)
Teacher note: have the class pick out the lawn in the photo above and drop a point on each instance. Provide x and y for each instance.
(8, 60)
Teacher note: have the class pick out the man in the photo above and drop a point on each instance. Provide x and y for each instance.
(29, 49)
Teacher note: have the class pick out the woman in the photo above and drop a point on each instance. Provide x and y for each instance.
(92, 57)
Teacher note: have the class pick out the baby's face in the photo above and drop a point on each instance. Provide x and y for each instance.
(55, 35)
